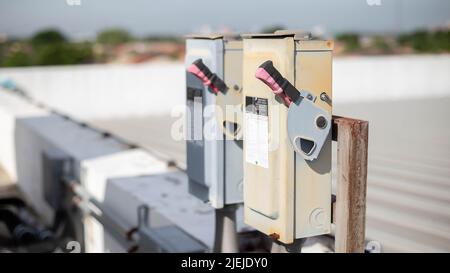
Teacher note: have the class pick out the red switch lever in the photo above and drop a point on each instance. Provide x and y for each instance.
(269, 75)
(201, 71)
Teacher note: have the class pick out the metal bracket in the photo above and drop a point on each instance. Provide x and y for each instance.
(308, 126)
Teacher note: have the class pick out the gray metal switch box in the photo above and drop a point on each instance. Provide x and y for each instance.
(214, 97)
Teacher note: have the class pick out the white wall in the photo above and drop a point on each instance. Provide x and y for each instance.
(114, 91)
(382, 78)
(104, 91)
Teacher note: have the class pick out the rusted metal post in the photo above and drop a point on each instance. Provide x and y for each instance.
(350, 208)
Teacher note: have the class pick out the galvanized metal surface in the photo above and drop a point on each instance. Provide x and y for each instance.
(409, 173)
(225, 232)
(166, 194)
(168, 239)
(214, 166)
(204, 149)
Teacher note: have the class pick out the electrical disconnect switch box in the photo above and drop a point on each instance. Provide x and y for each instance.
(287, 136)
(214, 118)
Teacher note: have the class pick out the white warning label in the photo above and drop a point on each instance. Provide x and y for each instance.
(256, 131)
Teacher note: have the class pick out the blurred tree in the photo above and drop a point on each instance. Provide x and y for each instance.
(380, 44)
(163, 38)
(3, 48)
(350, 40)
(272, 29)
(17, 58)
(403, 39)
(51, 54)
(420, 41)
(57, 54)
(424, 41)
(46, 37)
(442, 40)
(113, 36)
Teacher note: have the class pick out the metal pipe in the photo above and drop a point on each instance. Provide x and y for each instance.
(121, 234)
(225, 240)
(89, 205)
(19, 230)
(12, 201)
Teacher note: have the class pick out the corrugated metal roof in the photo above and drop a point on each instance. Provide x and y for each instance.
(409, 173)
(409, 168)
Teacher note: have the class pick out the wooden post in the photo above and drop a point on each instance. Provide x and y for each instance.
(350, 208)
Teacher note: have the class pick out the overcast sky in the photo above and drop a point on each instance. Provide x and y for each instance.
(144, 17)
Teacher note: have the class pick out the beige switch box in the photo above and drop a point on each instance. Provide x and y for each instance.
(287, 194)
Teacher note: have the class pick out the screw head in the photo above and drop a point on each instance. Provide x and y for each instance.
(324, 97)
(321, 122)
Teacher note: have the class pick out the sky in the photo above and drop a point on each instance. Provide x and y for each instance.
(80, 19)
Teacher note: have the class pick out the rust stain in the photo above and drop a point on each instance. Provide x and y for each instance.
(274, 236)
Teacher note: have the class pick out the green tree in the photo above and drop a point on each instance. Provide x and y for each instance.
(3, 48)
(380, 43)
(425, 41)
(442, 40)
(350, 40)
(113, 37)
(17, 58)
(63, 54)
(421, 42)
(50, 36)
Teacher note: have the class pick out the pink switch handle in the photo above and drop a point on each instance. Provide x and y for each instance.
(201, 71)
(269, 75)
(199, 74)
(265, 77)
